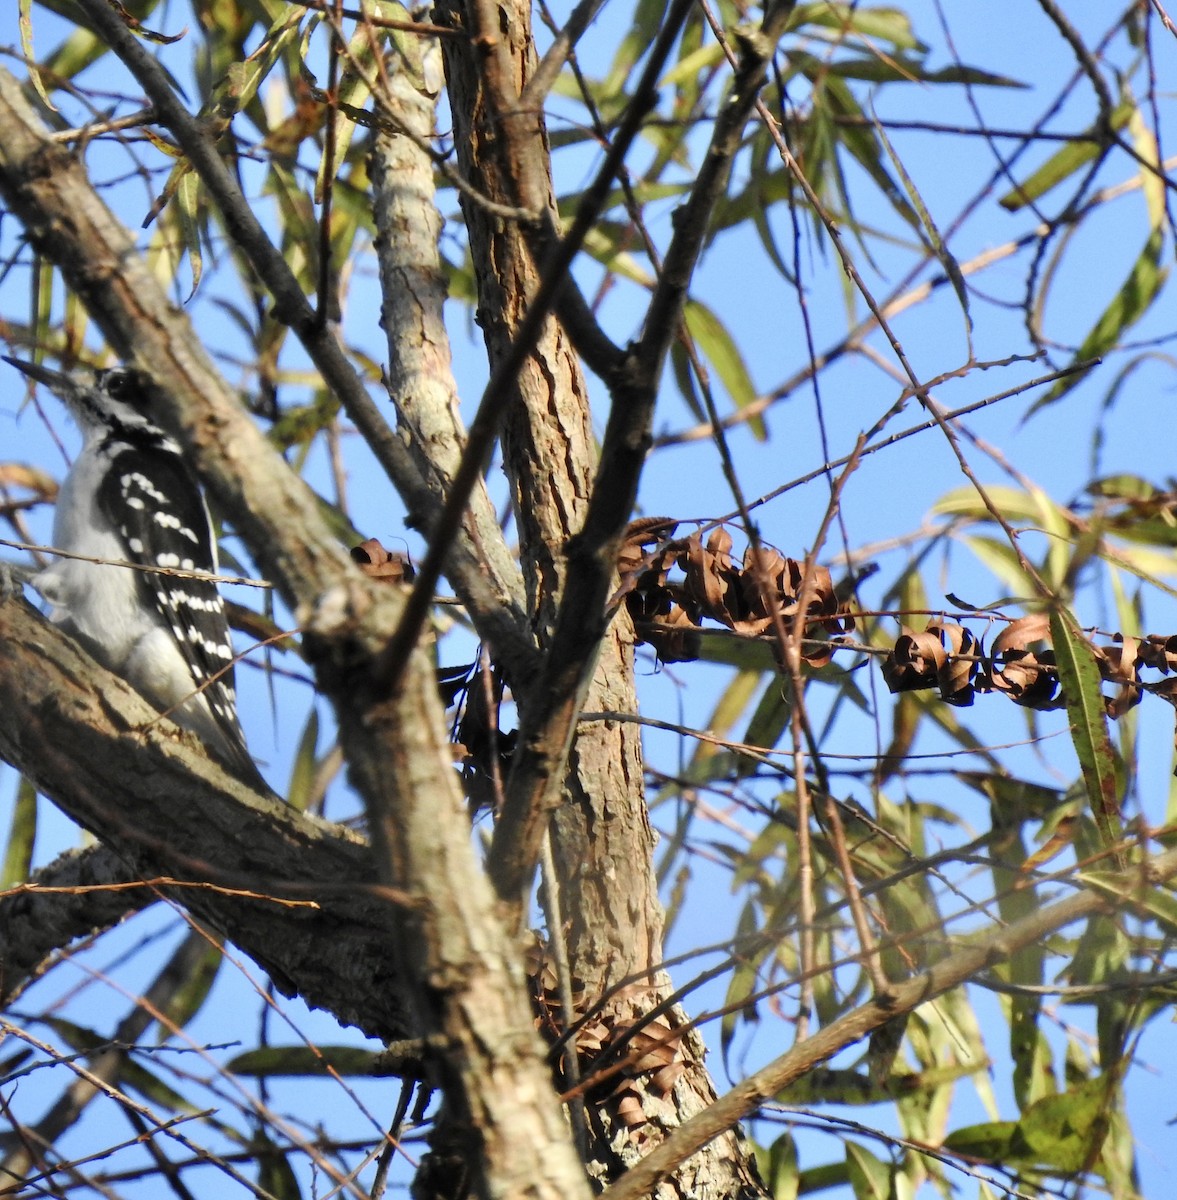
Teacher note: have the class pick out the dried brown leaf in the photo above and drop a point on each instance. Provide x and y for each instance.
(1158, 652)
(1119, 663)
(629, 1110)
(1027, 677)
(639, 534)
(386, 565)
(709, 574)
(914, 662)
(675, 637)
(962, 662)
(33, 479)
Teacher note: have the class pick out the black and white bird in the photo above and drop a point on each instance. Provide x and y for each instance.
(131, 498)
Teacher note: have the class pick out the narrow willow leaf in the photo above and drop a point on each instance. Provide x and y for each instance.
(768, 722)
(22, 834)
(870, 1177)
(136, 1075)
(188, 208)
(905, 70)
(246, 77)
(779, 1169)
(303, 1060)
(188, 999)
(1082, 692)
(722, 352)
(354, 91)
(693, 64)
(1130, 303)
(275, 1172)
(988, 1141)
(302, 774)
(42, 305)
(1152, 175)
(891, 25)
(26, 47)
(1064, 1132)
(939, 246)
(1159, 902)
(1061, 165)
(646, 21)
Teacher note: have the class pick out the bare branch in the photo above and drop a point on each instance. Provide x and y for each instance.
(78, 894)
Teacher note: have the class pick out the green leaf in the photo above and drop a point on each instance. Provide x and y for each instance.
(188, 211)
(778, 1168)
(22, 833)
(721, 350)
(25, 20)
(1061, 165)
(768, 722)
(743, 983)
(939, 246)
(1130, 303)
(1064, 1132)
(690, 66)
(136, 1075)
(303, 1060)
(275, 1174)
(870, 1177)
(302, 774)
(891, 25)
(189, 997)
(1082, 691)
(989, 1141)
(1159, 902)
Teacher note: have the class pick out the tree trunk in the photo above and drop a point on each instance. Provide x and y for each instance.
(601, 838)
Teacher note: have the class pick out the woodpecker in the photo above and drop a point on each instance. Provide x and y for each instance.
(131, 498)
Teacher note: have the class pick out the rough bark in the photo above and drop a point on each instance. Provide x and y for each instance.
(601, 837)
(297, 894)
(81, 893)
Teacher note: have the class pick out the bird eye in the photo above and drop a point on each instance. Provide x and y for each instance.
(119, 383)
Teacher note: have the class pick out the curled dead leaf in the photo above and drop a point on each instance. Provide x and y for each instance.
(15, 475)
(386, 565)
(914, 662)
(1028, 677)
(955, 676)
(674, 636)
(1119, 663)
(629, 1109)
(1158, 652)
(639, 536)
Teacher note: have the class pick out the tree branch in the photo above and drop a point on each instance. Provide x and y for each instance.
(80, 893)
(455, 955)
(413, 287)
(298, 895)
(981, 951)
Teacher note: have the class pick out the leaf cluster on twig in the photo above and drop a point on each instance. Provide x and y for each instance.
(670, 589)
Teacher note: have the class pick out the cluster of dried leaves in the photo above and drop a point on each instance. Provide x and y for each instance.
(622, 1054)
(671, 585)
(1021, 664)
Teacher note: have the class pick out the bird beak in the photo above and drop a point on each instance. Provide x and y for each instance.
(59, 383)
